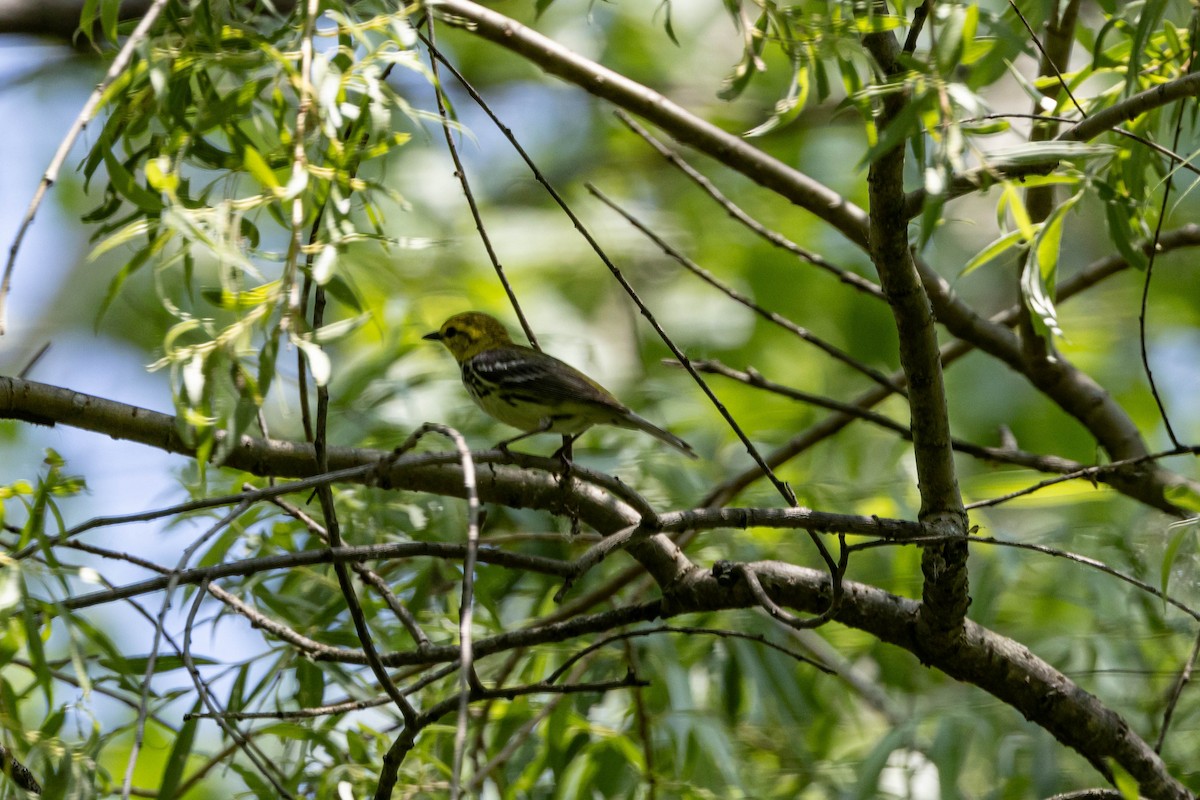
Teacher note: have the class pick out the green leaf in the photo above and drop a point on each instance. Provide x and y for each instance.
(751, 63)
(931, 217)
(1150, 13)
(1126, 784)
(335, 330)
(1119, 217)
(986, 127)
(180, 750)
(129, 188)
(139, 260)
(160, 176)
(258, 167)
(1040, 274)
(344, 292)
(127, 234)
(665, 8)
(788, 108)
(266, 364)
(87, 19)
(993, 251)
(136, 665)
(1184, 496)
(33, 642)
(1047, 154)
(310, 691)
(1179, 533)
(957, 28)
(318, 360)
(110, 15)
(1010, 199)
(324, 263)
(871, 767)
(904, 125)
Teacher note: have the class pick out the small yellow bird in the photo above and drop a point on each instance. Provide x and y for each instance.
(530, 390)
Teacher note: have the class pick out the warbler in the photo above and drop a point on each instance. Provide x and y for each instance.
(531, 390)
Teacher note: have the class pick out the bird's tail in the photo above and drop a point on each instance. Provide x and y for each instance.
(632, 420)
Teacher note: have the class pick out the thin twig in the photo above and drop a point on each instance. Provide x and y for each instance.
(1093, 472)
(338, 707)
(600, 551)
(460, 172)
(847, 277)
(333, 528)
(1183, 679)
(1001, 455)
(1179, 161)
(333, 555)
(1185, 236)
(1056, 553)
(642, 714)
(467, 678)
(722, 633)
(712, 280)
(1162, 215)
(364, 572)
(776, 611)
(172, 581)
(783, 489)
(403, 744)
(602, 82)
(262, 762)
(251, 496)
(1047, 61)
(515, 741)
(32, 362)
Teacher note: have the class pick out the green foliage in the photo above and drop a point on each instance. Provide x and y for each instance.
(250, 167)
(220, 159)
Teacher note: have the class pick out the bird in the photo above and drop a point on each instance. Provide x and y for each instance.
(531, 390)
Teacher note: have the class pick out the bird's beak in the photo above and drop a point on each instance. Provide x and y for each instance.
(436, 336)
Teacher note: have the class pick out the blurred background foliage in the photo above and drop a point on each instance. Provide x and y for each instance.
(722, 717)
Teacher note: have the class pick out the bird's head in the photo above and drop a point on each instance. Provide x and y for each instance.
(470, 333)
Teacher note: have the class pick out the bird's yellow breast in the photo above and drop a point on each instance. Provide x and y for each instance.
(526, 410)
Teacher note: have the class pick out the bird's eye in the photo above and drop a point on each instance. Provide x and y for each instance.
(450, 332)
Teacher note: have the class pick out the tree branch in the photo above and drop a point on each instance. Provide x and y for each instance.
(944, 565)
(997, 664)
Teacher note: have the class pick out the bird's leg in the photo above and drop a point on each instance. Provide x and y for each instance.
(541, 428)
(564, 454)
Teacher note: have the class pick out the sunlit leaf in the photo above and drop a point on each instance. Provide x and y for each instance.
(318, 360)
(1180, 533)
(994, 250)
(259, 168)
(1039, 276)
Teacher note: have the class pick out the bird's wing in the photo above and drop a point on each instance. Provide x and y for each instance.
(551, 381)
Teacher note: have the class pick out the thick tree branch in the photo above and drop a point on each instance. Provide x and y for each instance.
(944, 565)
(986, 659)
(1132, 107)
